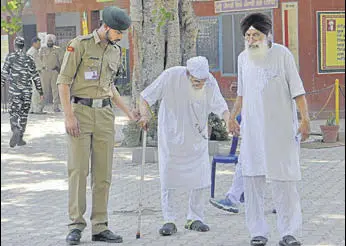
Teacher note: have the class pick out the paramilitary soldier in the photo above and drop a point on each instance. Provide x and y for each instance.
(20, 71)
(86, 90)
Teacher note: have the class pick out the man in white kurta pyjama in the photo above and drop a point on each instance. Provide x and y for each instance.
(269, 89)
(187, 95)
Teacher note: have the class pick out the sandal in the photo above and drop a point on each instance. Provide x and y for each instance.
(289, 241)
(196, 225)
(168, 229)
(259, 241)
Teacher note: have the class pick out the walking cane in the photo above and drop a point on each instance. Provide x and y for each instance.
(138, 234)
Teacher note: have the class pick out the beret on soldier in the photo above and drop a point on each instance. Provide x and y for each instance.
(116, 18)
(259, 21)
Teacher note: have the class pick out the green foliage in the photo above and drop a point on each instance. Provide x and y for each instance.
(124, 89)
(14, 9)
(161, 16)
(219, 131)
(331, 120)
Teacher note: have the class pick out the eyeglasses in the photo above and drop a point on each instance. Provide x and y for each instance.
(197, 81)
(255, 36)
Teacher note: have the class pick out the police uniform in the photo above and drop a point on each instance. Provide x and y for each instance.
(51, 58)
(20, 71)
(88, 67)
(36, 103)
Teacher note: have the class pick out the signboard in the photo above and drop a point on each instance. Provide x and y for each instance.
(290, 28)
(331, 41)
(103, 1)
(243, 5)
(207, 40)
(4, 48)
(62, 1)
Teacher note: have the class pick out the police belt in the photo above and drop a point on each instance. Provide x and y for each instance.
(93, 103)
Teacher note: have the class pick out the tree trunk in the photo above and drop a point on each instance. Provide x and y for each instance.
(156, 50)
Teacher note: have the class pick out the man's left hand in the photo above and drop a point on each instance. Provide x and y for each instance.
(41, 98)
(304, 129)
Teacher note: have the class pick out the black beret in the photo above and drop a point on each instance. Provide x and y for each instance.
(260, 21)
(116, 18)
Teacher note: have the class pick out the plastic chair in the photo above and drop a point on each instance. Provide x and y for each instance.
(231, 158)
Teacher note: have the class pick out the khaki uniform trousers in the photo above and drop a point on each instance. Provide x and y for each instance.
(49, 78)
(95, 145)
(36, 104)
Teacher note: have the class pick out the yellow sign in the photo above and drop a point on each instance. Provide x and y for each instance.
(331, 41)
(85, 24)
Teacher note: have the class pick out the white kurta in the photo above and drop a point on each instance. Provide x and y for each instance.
(183, 149)
(270, 145)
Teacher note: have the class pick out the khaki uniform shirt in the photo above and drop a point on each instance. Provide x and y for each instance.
(34, 53)
(51, 57)
(89, 67)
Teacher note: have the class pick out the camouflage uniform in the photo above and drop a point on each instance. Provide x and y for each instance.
(20, 71)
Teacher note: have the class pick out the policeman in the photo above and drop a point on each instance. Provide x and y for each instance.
(20, 71)
(86, 88)
(51, 58)
(36, 104)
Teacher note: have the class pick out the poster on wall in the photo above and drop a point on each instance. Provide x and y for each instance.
(331, 41)
(4, 48)
(43, 37)
(290, 28)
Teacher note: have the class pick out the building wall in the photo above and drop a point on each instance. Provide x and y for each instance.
(307, 34)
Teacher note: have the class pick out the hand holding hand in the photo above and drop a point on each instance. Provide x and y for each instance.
(234, 127)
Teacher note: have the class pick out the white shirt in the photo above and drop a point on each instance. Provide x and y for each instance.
(270, 145)
(182, 128)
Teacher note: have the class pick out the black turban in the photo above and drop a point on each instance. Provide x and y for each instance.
(259, 21)
(116, 18)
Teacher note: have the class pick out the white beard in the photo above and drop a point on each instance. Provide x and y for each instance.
(257, 51)
(196, 94)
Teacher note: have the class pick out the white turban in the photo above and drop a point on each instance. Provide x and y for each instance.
(198, 67)
(51, 37)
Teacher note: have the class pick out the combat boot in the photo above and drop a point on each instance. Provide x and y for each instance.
(15, 137)
(21, 142)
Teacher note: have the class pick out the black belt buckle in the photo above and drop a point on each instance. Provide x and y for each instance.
(93, 103)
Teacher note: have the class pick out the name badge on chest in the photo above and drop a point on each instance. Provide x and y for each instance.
(91, 75)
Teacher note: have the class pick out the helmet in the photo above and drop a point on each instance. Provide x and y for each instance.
(19, 42)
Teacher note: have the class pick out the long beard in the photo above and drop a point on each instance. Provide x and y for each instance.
(196, 94)
(257, 51)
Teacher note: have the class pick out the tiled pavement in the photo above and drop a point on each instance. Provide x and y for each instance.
(34, 196)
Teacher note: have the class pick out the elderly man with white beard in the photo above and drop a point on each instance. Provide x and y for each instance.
(269, 90)
(188, 95)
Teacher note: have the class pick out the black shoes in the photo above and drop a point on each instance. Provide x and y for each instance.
(107, 236)
(73, 238)
(168, 229)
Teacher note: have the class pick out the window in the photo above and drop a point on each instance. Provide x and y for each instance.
(232, 41)
(208, 40)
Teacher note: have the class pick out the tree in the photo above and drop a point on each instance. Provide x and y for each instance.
(14, 9)
(164, 35)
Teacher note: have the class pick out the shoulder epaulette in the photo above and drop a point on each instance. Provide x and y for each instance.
(85, 37)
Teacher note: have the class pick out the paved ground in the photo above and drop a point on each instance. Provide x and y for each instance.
(34, 196)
